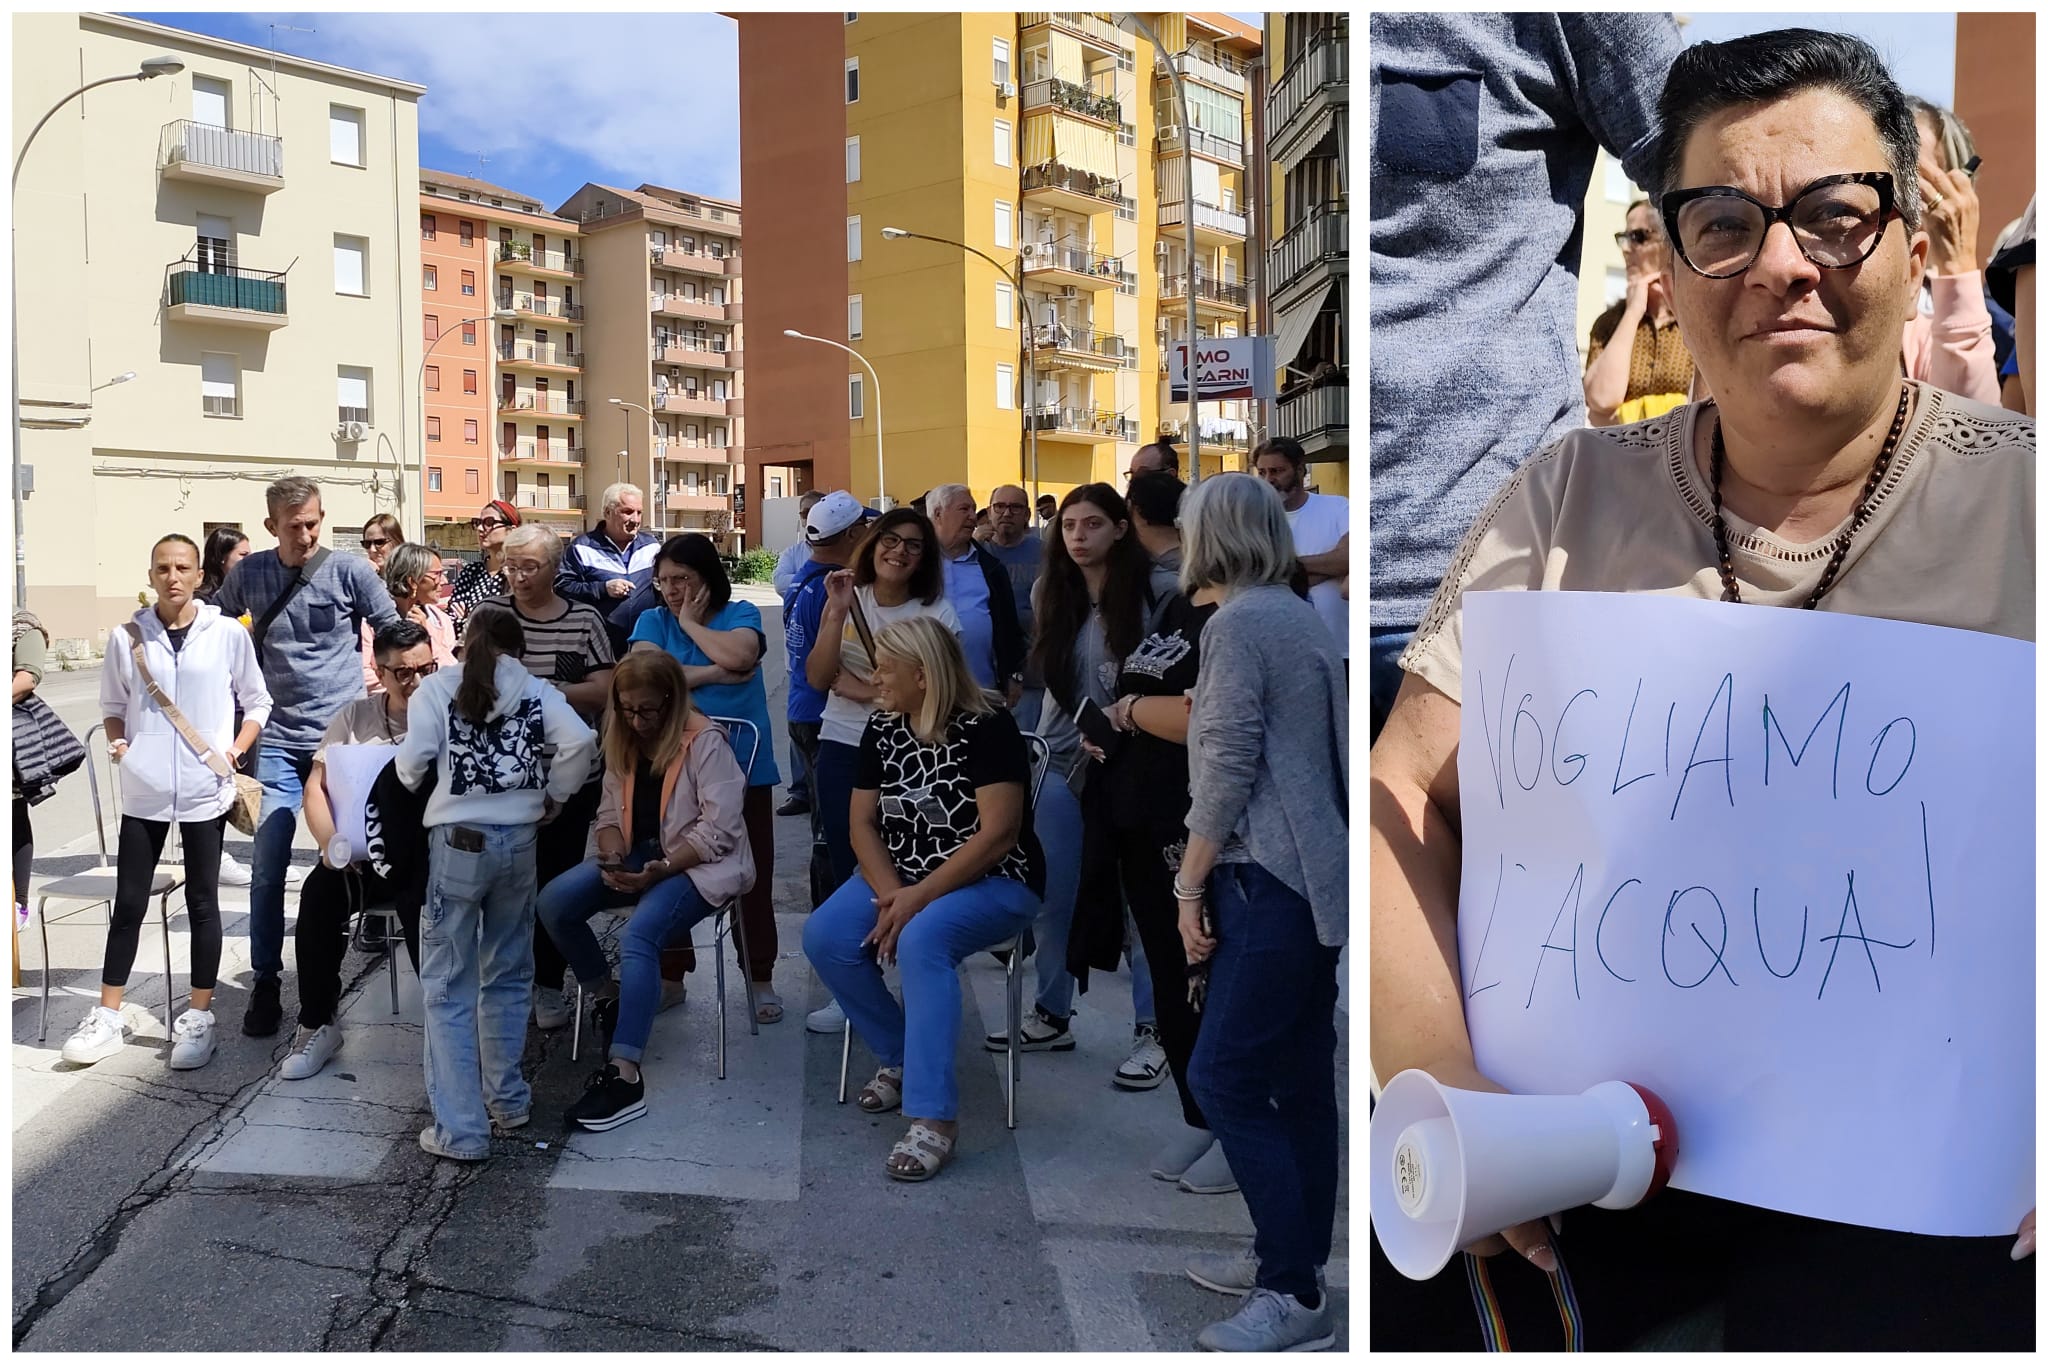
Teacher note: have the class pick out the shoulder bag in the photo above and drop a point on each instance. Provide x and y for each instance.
(248, 802)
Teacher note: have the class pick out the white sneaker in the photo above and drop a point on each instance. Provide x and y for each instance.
(192, 1040)
(830, 1019)
(1145, 1068)
(550, 1007)
(1272, 1322)
(315, 1048)
(233, 873)
(99, 1036)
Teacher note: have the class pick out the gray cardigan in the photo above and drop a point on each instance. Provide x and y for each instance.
(1272, 700)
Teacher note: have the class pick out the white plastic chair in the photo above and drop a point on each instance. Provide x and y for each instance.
(97, 887)
(1011, 950)
(725, 921)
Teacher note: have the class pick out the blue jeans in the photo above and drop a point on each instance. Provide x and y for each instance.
(1028, 709)
(834, 792)
(476, 975)
(1265, 1069)
(282, 772)
(667, 909)
(1058, 824)
(1385, 679)
(922, 1034)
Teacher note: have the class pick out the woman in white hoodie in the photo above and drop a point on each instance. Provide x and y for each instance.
(204, 666)
(510, 750)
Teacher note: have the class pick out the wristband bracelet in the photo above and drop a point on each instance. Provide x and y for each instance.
(1182, 893)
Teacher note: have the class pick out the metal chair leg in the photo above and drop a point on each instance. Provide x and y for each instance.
(718, 965)
(43, 924)
(576, 1022)
(739, 947)
(391, 966)
(845, 1056)
(1014, 989)
(163, 915)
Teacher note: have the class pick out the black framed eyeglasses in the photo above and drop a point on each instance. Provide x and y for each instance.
(643, 712)
(409, 676)
(909, 545)
(1633, 237)
(1836, 222)
(487, 524)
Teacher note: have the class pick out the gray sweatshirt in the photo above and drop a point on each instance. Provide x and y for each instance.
(1271, 700)
(312, 656)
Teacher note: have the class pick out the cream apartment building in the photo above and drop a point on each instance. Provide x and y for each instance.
(242, 237)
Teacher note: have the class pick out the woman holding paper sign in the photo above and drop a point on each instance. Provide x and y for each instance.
(1819, 479)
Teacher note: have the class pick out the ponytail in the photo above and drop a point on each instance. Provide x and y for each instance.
(491, 633)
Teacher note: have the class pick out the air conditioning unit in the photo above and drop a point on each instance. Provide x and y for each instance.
(1070, 293)
(350, 431)
(1007, 89)
(1169, 132)
(1159, 249)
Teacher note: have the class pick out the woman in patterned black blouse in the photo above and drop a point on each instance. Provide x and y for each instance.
(484, 578)
(948, 867)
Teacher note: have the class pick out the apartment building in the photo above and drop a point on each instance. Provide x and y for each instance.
(218, 286)
(502, 320)
(1046, 155)
(1308, 273)
(664, 351)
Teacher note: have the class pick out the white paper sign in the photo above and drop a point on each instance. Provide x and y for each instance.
(352, 770)
(1776, 866)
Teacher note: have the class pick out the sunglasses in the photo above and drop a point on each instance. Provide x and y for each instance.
(1633, 237)
(409, 676)
(377, 544)
(487, 524)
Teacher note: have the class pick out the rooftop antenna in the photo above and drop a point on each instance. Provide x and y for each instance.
(275, 29)
(481, 162)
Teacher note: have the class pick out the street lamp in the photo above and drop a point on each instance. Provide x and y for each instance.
(150, 69)
(1133, 24)
(420, 381)
(121, 378)
(1029, 370)
(881, 478)
(654, 481)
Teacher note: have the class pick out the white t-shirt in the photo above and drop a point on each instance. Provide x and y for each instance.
(1318, 525)
(845, 721)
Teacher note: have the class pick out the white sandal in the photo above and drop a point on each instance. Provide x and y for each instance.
(884, 1092)
(928, 1147)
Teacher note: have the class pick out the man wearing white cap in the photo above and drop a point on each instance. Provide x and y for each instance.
(831, 531)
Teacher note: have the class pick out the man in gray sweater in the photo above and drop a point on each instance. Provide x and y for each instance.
(306, 607)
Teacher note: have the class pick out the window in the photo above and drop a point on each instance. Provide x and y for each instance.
(219, 385)
(853, 317)
(1005, 306)
(472, 482)
(468, 231)
(851, 17)
(348, 265)
(855, 398)
(1006, 383)
(1002, 223)
(1000, 60)
(433, 379)
(210, 101)
(352, 393)
(469, 381)
(853, 238)
(433, 326)
(428, 232)
(1002, 142)
(433, 470)
(430, 278)
(216, 246)
(344, 135)
(853, 80)
(469, 334)
(852, 159)
(433, 428)
(469, 282)
(1126, 60)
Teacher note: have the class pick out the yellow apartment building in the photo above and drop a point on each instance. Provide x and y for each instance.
(228, 255)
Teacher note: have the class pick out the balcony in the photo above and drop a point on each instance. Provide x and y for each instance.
(522, 256)
(696, 452)
(1078, 100)
(1075, 191)
(202, 154)
(226, 295)
(533, 452)
(539, 355)
(1093, 30)
(1080, 350)
(1308, 99)
(693, 403)
(533, 306)
(540, 405)
(1210, 293)
(1083, 426)
(1214, 224)
(1318, 418)
(704, 354)
(1225, 435)
(1049, 264)
(1310, 254)
(549, 500)
(1175, 140)
(700, 310)
(695, 262)
(698, 502)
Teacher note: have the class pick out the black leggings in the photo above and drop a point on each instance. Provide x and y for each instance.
(24, 850)
(1147, 884)
(325, 903)
(142, 844)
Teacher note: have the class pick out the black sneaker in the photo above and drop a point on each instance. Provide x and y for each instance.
(1041, 1033)
(370, 934)
(609, 1100)
(264, 1013)
(795, 805)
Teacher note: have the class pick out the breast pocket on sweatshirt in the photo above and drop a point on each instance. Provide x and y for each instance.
(323, 612)
(1429, 122)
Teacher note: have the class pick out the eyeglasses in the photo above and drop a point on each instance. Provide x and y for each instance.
(1836, 222)
(891, 541)
(487, 524)
(408, 676)
(1633, 237)
(522, 568)
(1009, 507)
(377, 544)
(643, 712)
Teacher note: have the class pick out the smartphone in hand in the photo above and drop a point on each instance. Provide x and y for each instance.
(1094, 723)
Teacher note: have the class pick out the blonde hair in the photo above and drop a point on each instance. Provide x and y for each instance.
(650, 670)
(949, 687)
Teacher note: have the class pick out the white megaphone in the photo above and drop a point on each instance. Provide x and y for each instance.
(1451, 1167)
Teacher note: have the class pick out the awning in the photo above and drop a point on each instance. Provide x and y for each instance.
(1084, 147)
(1294, 326)
(1038, 139)
(1297, 150)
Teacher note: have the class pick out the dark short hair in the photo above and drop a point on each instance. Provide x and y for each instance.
(928, 579)
(1156, 497)
(697, 554)
(397, 638)
(1167, 454)
(1763, 67)
(1286, 447)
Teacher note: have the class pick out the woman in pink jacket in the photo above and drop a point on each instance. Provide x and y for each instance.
(1948, 339)
(671, 843)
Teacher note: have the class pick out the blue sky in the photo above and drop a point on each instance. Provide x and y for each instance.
(551, 102)
(1919, 48)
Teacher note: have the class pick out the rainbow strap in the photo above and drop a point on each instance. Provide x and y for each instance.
(1493, 1327)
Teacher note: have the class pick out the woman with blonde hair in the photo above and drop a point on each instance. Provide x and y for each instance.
(413, 574)
(948, 867)
(671, 843)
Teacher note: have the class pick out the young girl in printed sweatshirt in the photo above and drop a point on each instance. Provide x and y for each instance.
(510, 750)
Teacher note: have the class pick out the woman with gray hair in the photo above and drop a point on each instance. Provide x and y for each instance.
(417, 582)
(1948, 338)
(1263, 892)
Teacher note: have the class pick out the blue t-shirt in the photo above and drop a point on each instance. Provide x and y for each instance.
(967, 590)
(800, 631)
(742, 701)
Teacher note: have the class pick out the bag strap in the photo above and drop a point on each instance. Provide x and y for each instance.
(278, 603)
(207, 753)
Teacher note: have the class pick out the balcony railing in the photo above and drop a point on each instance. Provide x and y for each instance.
(551, 453)
(1075, 99)
(1082, 421)
(1324, 235)
(188, 284)
(1324, 62)
(1234, 293)
(1082, 25)
(1226, 434)
(1074, 260)
(1085, 339)
(550, 499)
(1194, 139)
(189, 144)
(704, 345)
(1053, 176)
(694, 258)
(1213, 217)
(525, 302)
(541, 404)
(1312, 410)
(522, 253)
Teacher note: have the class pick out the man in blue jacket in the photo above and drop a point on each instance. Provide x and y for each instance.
(832, 531)
(611, 566)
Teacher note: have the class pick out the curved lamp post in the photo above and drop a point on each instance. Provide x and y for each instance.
(419, 518)
(655, 487)
(150, 69)
(881, 478)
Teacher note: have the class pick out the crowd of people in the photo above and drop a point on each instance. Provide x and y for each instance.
(577, 727)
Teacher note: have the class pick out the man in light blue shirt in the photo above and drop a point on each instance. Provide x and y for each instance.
(978, 586)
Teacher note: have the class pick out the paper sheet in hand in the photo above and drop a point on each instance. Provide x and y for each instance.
(352, 770)
(1778, 867)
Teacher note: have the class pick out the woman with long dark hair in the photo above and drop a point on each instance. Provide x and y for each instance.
(226, 547)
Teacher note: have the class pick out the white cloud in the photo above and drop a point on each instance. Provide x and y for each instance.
(624, 98)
